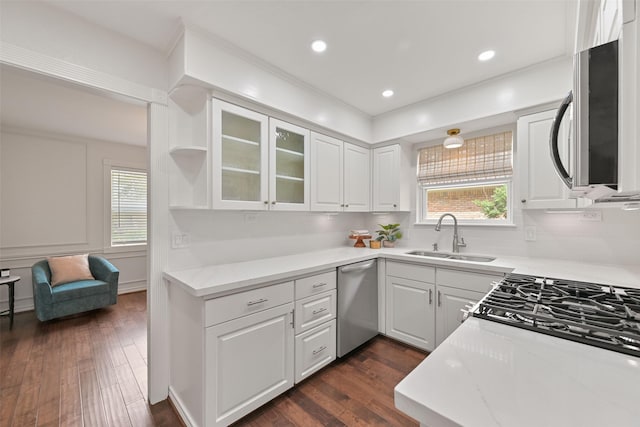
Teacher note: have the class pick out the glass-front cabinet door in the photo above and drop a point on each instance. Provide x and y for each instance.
(289, 166)
(240, 158)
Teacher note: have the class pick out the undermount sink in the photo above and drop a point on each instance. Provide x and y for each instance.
(432, 254)
(429, 254)
(474, 258)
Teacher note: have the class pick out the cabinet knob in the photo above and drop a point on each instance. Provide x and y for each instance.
(342, 205)
(523, 201)
(395, 206)
(346, 206)
(266, 202)
(273, 203)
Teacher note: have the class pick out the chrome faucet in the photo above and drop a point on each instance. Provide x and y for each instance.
(456, 244)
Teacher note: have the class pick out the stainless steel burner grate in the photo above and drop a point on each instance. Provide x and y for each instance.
(599, 315)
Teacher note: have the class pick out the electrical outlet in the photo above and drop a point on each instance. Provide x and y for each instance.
(591, 215)
(180, 240)
(530, 233)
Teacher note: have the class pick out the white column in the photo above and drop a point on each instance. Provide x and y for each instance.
(158, 247)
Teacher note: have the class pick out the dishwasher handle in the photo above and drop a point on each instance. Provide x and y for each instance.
(359, 267)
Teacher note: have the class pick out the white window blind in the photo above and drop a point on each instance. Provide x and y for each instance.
(128, 207)
(484, 158)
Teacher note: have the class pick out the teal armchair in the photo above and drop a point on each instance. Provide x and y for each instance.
(74, 297)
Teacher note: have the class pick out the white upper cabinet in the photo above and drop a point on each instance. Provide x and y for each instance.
(357, 178)
(288, 166)
(340, 175)
(390, 184)
(540, 185)
(240, 153)
(258, 163)
(327, 173)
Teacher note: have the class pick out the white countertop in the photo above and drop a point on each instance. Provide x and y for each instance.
(488, 374)
(217, 280)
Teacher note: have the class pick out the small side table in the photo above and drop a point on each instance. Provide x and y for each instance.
(10, 281)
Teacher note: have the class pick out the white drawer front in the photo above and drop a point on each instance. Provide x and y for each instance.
(314, 310)
(471, 281)
(421, 273)
(231, 307)
(315, 349)
(316, 284)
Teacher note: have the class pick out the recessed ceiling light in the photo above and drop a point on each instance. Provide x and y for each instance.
(319, 46)
(486, 55)
(387, 93)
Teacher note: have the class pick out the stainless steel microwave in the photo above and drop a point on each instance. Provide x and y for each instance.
(595, 125)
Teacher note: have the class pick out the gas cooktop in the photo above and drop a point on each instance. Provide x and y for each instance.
(599, 315)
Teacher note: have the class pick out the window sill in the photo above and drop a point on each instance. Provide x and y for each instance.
(466, 224)
(125, 248)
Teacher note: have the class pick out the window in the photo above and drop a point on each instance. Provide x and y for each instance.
(128, 223)
(472, 182)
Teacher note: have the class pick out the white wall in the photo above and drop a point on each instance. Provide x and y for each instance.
(41, 28)
(52, 202)
(219, 237)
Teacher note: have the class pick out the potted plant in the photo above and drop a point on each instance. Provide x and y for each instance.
(389, 234)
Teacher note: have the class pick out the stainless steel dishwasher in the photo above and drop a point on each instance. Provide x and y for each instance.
(357, 305)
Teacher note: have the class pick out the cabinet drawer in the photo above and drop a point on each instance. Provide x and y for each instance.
(472, 281)
(314, 310)
(315, 349)
(222, 309)
(421, 273)
(316, 284)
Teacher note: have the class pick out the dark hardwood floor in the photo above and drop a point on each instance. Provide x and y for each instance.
(91, 370)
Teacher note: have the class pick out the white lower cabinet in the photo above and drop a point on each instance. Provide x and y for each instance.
(451, 302)
(315, 323)
(249, 361)
(424, 303)
(315, 349)
(411, 312)
(315, 310)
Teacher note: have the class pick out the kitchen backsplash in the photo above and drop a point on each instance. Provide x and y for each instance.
(217, 237)
(613, 240)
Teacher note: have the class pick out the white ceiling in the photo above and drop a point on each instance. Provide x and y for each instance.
(420, 49)
(30, 101)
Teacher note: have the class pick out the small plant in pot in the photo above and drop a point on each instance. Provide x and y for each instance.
(389, 234)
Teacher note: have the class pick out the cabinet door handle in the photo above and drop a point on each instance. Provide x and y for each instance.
(319, 285)
(523, 201)
(320, 310)
(430, 296)
(320, 349)
(439, 298)
(293, 318)
(258, 301)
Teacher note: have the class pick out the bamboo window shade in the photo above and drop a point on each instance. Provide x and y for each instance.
(479, 159)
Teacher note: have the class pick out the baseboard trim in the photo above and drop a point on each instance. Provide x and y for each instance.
(178, 406)
(26, 303)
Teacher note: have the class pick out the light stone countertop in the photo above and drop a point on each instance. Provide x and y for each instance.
(218, 280)
(487, 374)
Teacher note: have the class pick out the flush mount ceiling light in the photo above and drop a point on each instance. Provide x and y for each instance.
(454, 140)
(486, 55)
(319, 46)
(387, 93)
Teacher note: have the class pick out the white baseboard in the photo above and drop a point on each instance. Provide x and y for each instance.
(26, 303)
(182, 412)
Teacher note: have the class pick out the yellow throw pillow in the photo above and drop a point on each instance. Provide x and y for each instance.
(65, 269)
